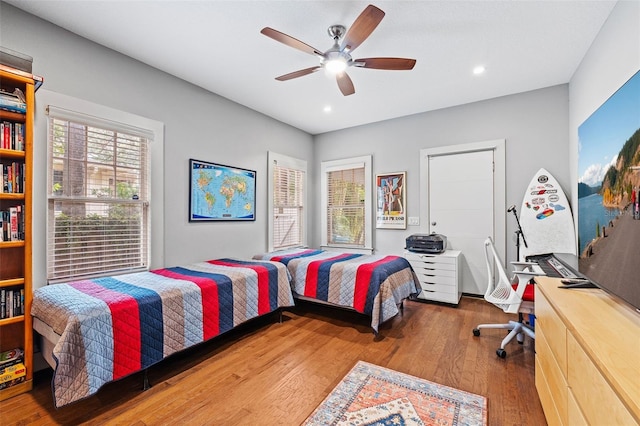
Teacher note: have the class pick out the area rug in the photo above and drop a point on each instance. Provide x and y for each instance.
(374, 395)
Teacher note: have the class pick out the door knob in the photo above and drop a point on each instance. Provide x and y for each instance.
(433, 224)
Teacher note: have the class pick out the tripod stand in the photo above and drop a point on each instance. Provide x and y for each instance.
(518, 232)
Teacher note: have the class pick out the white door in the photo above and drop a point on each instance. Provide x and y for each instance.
(461, 207)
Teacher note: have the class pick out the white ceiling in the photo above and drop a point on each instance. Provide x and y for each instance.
(217, 45)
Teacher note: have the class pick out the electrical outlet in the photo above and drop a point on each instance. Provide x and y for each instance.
(414, 220)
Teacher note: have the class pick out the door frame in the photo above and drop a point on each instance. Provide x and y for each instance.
(499, 184)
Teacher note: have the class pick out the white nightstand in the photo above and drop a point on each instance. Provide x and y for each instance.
(439, 275)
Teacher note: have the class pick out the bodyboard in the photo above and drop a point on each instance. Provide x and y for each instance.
(545, 218)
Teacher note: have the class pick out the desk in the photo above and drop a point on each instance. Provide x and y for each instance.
(587, 368)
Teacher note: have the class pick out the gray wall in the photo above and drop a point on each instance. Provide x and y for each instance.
(198, 124)
(613, 58)
(534, 125)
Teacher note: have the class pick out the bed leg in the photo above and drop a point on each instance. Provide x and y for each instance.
(402, 306)
(145, 381)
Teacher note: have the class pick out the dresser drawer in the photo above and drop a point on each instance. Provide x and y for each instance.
(431, 258)
(594, 396)
(547, 366)
(438, 287)
(574, 414)
(440, 296)
(546, 398)
(436, 279)
(434, 268)
(554, 330)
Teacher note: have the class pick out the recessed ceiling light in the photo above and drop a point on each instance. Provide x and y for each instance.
(479, 70)
(327, 108)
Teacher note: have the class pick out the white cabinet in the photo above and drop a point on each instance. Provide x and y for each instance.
(439, 275)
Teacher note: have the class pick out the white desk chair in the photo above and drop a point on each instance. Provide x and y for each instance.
(511, 298)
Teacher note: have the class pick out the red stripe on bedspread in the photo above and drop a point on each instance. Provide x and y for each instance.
(363, 280)
(125, 321)
(264, 306)
(311, 280)
(210, 304)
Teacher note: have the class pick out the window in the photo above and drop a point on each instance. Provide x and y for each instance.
(346, 209)
(98, 204)
(287, 183)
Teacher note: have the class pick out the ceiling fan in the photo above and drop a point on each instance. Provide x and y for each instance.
(338, 58)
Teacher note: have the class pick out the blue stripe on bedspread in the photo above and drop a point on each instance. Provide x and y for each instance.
(287, 258)
(381, 273)
(324, 273)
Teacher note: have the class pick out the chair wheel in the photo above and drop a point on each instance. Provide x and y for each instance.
(476, 332)
(501, 353)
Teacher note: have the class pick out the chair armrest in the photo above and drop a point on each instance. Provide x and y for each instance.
(531, 266)
(521, 266)
(516, 263)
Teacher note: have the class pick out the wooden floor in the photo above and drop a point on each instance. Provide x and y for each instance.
(271, 373)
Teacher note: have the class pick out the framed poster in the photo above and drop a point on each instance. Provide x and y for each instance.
(218, 192)
(390, 205)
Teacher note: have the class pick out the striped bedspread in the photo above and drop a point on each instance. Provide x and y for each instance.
(371, 284)
(115, 326)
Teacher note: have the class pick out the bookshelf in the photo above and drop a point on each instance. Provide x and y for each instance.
(16, 158)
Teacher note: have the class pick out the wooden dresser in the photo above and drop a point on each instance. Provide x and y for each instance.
(587, 356)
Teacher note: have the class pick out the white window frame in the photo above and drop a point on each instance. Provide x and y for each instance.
(156, 162)
(345, 164)
(292, 163)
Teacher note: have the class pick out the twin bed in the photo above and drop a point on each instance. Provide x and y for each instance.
(373, 285)
(100, 330)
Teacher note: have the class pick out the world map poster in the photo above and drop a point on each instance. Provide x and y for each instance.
(219, 192)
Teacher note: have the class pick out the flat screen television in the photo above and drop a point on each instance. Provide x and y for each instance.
(608, 184)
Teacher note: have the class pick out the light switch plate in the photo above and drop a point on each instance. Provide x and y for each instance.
(414, 220)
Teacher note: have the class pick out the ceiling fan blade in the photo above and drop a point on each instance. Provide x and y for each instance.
(298, 73)
(345, 84)
(290, 41)
(362, 28)
(385, 63)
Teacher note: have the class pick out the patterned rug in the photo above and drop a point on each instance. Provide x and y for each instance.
(373, 395)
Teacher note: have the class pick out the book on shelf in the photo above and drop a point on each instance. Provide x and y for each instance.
(11, 303)
(12, 102)
(13, 220)
(12, 135)
(11, 357)
(12, 223)
(12, 375)
(13, 175)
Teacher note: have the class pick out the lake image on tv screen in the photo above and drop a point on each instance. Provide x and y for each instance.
(609, 192)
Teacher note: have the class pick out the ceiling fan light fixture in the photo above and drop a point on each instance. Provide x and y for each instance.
(335, 65)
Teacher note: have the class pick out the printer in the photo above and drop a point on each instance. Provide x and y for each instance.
(426, 243)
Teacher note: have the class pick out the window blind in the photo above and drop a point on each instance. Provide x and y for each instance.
(98, 197)
(288, 207)
(346, 206)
